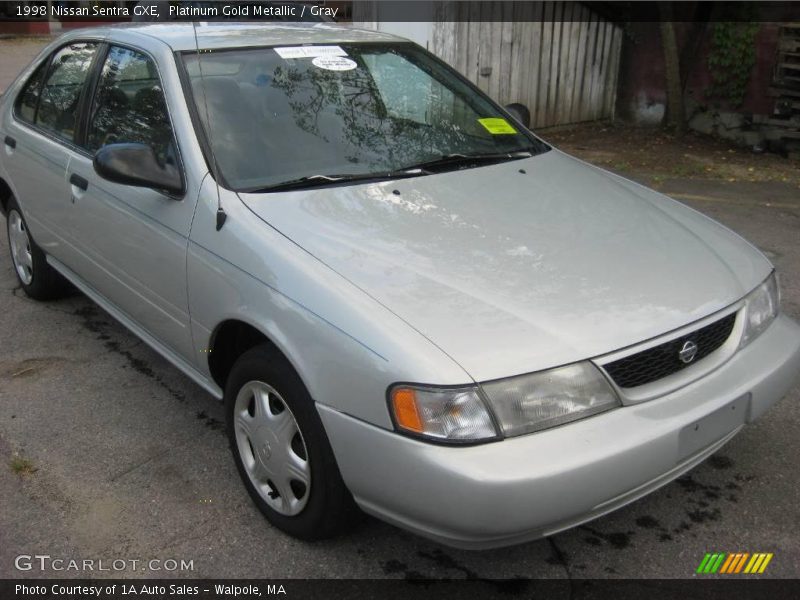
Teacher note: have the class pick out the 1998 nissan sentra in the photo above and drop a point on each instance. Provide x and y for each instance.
(408, 302)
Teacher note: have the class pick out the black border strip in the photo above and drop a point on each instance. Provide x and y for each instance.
(498, 11)
(700, 587)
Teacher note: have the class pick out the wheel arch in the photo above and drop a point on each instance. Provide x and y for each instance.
(5, 196)
(230, 339)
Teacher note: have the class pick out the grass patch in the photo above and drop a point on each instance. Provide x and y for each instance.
(22, 466)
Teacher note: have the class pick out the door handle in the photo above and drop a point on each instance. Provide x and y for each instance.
(78, 181)
(10, 142)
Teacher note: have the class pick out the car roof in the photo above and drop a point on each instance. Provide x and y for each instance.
(218, 35)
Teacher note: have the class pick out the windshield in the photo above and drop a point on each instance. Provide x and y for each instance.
(275, 115)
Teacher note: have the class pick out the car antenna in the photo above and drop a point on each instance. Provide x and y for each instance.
(221, 215)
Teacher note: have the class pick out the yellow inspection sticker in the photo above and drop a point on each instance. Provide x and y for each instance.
(497, 126)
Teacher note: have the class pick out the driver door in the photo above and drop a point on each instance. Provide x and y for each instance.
(133, 239)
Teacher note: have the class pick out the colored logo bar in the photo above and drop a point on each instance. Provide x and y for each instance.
(734, 563)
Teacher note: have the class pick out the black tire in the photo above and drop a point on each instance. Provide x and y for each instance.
(46, 283)
(329, 509)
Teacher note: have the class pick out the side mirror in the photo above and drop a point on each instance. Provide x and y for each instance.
(136, 164)
(520, 113)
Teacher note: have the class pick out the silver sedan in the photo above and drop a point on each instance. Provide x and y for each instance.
(408, 302)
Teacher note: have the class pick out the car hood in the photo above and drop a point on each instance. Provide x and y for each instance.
(524, 265)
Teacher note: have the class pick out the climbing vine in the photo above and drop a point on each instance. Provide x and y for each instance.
(731, 60)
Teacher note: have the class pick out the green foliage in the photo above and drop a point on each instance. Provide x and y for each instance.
(22, 466)
(731, 60)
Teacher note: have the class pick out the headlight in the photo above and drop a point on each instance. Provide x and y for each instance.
(548, 398)
(446, 414)
(760, 309)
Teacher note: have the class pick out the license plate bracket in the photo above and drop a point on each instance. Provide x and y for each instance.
(707, 430)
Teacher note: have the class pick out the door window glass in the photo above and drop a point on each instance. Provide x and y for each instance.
(60, 98)
(129, 106)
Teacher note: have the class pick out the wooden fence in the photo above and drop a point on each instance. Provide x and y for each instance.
(560, 59)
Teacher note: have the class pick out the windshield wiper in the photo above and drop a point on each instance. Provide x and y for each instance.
(312, 181)
(424, 168)
(463, 160)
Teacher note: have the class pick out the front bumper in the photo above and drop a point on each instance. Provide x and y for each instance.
(522, 488)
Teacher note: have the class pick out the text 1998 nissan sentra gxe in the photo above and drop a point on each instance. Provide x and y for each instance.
(408, 302)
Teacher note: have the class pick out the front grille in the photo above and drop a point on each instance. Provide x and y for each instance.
(654, 363)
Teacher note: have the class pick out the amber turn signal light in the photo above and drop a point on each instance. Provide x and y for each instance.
(404, 403)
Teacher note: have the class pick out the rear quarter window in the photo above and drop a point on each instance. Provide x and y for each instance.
(28, 98)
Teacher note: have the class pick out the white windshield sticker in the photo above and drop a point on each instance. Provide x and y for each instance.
(310, 51)
(334, 63)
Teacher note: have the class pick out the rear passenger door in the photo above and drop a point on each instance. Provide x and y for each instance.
(38, 141)
(134, 239)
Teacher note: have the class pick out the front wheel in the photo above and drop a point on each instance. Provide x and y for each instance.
(281, 449)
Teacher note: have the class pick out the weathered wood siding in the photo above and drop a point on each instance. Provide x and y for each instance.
(558, 58)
